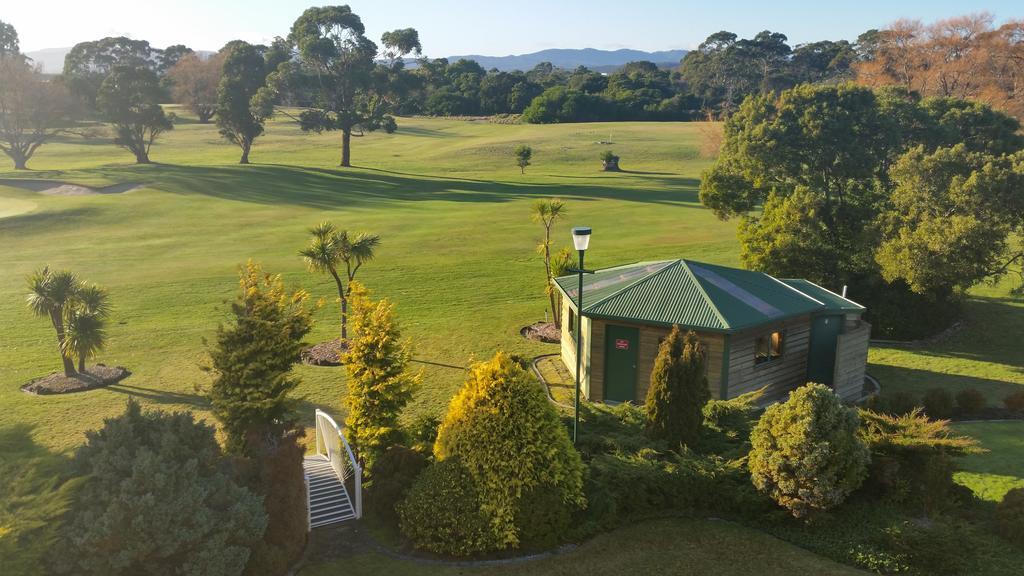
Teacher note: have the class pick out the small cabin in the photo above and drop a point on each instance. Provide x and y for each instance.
(758, 331)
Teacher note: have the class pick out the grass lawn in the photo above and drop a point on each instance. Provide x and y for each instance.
(992, 474)
(652, 547)
(457, 258)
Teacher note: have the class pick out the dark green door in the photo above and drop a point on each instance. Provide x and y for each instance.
(620, 354)
(821, 360)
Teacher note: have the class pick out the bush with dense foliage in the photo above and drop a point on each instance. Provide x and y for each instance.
(912, 458)
(252, 361)
(806, 453)
(1014, 401)
(443, 512)
(1010, 516)
(393, 475)
(158, 499)
(379, 383)
(509, 437)
(970, 401)
(678, 390)
(934, 547)
(276, 474)
(895, 403)
(938, 403)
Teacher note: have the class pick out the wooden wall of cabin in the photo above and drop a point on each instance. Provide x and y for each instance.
(781, 375)
(851, 359)
(650, 340)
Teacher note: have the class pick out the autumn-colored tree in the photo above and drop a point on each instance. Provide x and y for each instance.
(195, 83)
(961, 57)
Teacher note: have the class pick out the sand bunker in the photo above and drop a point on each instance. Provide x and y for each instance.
(56, 188)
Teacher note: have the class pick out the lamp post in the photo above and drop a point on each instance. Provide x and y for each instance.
(580, 239)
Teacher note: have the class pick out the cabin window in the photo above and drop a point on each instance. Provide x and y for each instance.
(572, 324)
(768, 347)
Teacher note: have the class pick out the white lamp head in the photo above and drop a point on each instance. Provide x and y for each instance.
(581, 237)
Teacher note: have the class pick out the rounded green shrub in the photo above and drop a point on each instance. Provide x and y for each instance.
(806, 453)
(1014, 402)
(1010, 516)
(938, 403)
(970, 401)
(157, 499)
(509, 437)
(442, 512)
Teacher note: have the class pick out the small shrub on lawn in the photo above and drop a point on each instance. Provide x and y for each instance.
(806, 453)
(542, 517)
(509, 437)
(158, 499)
(970, 401)
(912, 458)
(1010, 516)
(895, 403)
(443, 512)
(1014, 402)
(393, 474)
(938, 403)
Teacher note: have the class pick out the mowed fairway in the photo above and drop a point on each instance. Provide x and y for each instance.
(445, 195)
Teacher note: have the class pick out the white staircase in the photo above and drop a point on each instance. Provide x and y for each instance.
(326, 473)
(329, 502)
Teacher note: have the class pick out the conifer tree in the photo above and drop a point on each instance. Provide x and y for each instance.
(678, 390)
(253, 358)
(379, 384)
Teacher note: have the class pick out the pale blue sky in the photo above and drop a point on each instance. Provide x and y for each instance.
(482, 27)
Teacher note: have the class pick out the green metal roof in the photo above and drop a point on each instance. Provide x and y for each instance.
(831, 300)
(697, 295)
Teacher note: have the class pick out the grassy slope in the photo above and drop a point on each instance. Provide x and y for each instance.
(457, 255)
(653, 547)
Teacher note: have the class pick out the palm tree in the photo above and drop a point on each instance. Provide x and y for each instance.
(49, 296)
(86, 324)
(547, 212)
(331, 248)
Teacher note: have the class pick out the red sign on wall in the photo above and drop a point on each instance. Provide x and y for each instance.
(621, 344)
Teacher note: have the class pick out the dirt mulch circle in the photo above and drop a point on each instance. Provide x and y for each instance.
(325, 353)
(94, 377)
(542, 332)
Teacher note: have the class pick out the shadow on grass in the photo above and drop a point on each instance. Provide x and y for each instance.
(33, 498)
(161, 396)
(323, 188)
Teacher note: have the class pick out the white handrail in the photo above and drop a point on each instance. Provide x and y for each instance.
(324, 444)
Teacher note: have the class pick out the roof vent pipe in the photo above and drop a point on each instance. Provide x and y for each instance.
(844, 290)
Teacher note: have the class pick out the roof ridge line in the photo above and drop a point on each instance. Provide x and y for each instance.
(834, 294)
(704, 295)
(794, 289)
(634, 284)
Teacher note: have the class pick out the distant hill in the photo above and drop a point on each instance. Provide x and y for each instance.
(52, 59)
(569, 58)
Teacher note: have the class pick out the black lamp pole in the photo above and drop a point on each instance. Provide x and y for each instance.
(581, 239)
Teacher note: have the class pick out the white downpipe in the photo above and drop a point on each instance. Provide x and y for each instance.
(327, 446)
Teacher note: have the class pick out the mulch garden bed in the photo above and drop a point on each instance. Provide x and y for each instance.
(542, 332)
(94, 377)
(324, 354)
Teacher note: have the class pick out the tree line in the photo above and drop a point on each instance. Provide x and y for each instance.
(342, 81)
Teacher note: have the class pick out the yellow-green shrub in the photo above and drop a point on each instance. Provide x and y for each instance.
(508, 436)
(806, 453)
